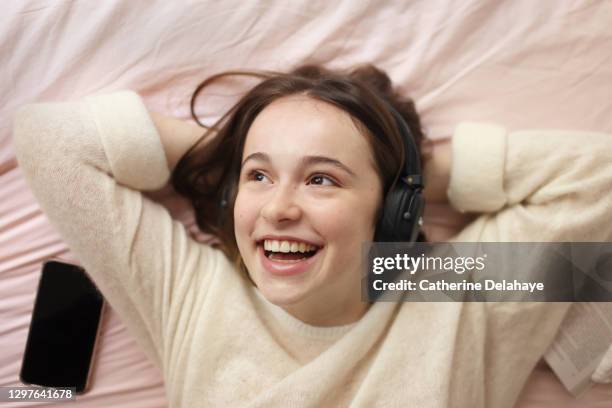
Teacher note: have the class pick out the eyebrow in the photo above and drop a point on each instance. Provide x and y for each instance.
(305, 161)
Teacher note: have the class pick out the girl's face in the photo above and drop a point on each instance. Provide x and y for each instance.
(307, 176)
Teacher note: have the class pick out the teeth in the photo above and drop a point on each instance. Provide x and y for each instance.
(287, 246)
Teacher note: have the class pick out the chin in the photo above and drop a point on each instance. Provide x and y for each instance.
(281, 296)
(277, 292)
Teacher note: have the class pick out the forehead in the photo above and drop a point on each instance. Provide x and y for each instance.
(296, 126)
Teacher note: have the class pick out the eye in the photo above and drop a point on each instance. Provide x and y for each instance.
(255, 175)
(318, 179)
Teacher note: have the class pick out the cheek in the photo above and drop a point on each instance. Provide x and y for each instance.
(350, 223)
(346, 231)
(244, 216)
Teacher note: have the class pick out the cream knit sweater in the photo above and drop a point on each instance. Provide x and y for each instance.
(219, 343)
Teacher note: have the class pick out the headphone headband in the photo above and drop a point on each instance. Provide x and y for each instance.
(411, 174)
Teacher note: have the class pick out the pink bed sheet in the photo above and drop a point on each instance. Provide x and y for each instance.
(523, 64)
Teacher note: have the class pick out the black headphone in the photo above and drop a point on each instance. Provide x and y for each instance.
(402, 211)
(401, 216)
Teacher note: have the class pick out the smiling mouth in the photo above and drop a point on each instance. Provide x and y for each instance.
(289, 256)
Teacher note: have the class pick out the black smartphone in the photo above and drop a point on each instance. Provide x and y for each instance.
(64, 328)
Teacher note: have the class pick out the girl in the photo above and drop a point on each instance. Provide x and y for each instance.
(292, 181)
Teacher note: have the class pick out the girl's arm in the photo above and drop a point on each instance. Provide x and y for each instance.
(536, 185)
(177, 136)
(87, 163)
(436, 170)
(442, 221)
(528, 186)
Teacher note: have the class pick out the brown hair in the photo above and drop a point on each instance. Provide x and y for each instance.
(206, 175)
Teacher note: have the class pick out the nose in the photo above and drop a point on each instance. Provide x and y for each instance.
(282, 206)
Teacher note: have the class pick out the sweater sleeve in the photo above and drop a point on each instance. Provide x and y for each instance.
(529, 186)
(537, 185)
(85, 162)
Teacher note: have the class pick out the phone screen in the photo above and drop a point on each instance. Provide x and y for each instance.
(64, 328)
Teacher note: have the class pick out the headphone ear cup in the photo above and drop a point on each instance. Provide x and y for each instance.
(401, 216)
(415, 209)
